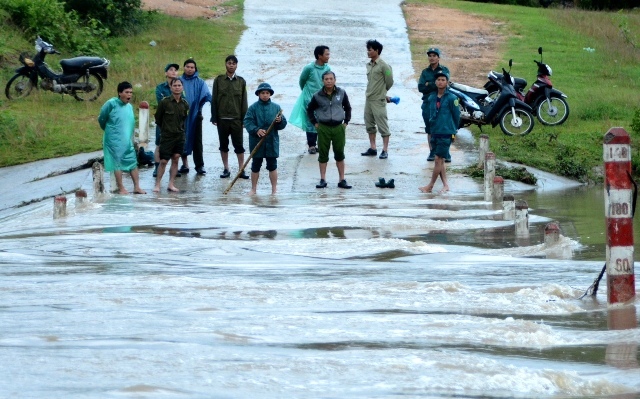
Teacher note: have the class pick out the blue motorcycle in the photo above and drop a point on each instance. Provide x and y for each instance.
(478, 108)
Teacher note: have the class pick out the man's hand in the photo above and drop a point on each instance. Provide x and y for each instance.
(261, 132)
(278, 119)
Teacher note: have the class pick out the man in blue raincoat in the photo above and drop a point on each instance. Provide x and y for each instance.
(310, 82)
(259, 117)
(118, 122)
(197, 94)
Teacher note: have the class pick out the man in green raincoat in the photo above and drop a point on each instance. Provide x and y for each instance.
(118, 122)
(310, 82)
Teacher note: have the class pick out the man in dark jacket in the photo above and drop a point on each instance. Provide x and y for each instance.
(228, 108)
(330, 112)
(443, 117)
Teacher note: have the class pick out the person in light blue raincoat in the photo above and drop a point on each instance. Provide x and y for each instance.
(118, 122)
(310, 82)
(257, 120)
(197, 94)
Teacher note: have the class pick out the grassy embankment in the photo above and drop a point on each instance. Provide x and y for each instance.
(603, 86)
(46, 125)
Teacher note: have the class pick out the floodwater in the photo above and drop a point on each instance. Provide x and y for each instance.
(365, 293)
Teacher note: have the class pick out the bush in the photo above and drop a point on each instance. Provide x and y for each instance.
(49, 20)
(569, 165)
(120, 17)
(605, 4)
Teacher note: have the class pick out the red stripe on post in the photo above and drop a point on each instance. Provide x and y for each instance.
(620, 232)
(616, 176)
(620, 289)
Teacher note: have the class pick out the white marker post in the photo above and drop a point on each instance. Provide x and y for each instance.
(489, 174)
(143, 123)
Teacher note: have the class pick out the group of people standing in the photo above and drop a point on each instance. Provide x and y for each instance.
(323, 111)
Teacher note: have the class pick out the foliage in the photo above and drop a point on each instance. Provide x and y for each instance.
(605, 4)
(635, 123)
(119, 17)
(49, 20)
(603, 86)
(528, 3)
(517, 173)
(63, 126)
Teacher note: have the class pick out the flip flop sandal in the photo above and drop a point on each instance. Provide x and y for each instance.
(391, 184)
(381, 183)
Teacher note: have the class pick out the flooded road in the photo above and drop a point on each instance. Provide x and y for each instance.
(312, 293)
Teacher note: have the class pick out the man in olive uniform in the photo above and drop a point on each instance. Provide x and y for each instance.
(426, 86)
(228, 108)
(171, 116)
(379, 81)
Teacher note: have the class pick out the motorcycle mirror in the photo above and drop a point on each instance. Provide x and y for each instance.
(510, 63)
(540, 50)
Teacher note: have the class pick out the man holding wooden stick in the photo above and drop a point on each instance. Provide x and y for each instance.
(263, 138)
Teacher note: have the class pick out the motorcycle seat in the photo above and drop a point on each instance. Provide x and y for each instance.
(468, 89)
(518, 83)
(81, 62)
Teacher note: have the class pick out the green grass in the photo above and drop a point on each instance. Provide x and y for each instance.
(47, 125)
(603, 86)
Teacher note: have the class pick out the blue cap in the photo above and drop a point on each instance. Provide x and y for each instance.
(441, 73)
(264, 86)
(176, 66)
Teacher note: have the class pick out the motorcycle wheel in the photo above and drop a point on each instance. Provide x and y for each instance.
(553, 112)
(18, 86)
(519, 124)
(94, 85)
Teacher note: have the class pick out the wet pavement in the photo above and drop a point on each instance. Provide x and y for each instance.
(311, 293)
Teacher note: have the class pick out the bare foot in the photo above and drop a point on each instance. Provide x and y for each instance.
(426, 189)
(274, 192)
(156, 189)
(445, 189)
(252, 192)
(173, 189)
(139, 191)
(123, 191)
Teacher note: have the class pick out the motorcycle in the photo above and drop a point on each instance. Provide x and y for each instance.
(81, 77)
(477, 108)
(549, 104)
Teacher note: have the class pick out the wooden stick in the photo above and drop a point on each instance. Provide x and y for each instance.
(257, 147)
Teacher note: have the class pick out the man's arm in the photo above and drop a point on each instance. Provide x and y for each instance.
(313, 105)
(388, 77)
(346, 105)
(304, 76)
(214, 98)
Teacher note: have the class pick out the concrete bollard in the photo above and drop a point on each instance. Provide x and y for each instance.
(81, 197)
(98, 178)
(143, 123)
(483, 149)
(551, 234)
(498, 191)
(509, 207)
(59, 206)
(522, 218)
(489, 174)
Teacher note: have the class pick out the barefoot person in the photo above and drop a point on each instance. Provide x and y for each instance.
(171, 116)
(443, 116)
(330, 112)
(118, 122)
(257, 121)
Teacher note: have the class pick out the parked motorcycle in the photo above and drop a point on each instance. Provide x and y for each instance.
(81, 77)
(477, 108)
(548, 104)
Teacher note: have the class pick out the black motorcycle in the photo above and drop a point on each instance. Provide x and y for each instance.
(478, 108)
(81, 77)
(549, 104)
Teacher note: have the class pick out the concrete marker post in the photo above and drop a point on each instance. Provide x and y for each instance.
(498, 191)
(81, 197)
(618, 196)
(143, 123)
(551, 234)
(98, 179)
(489, 174)
(483, 149)
(59, 206)
(522, 218)
(509, 207)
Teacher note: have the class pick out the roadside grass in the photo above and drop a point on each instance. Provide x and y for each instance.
(47, 125)
(603, 86)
